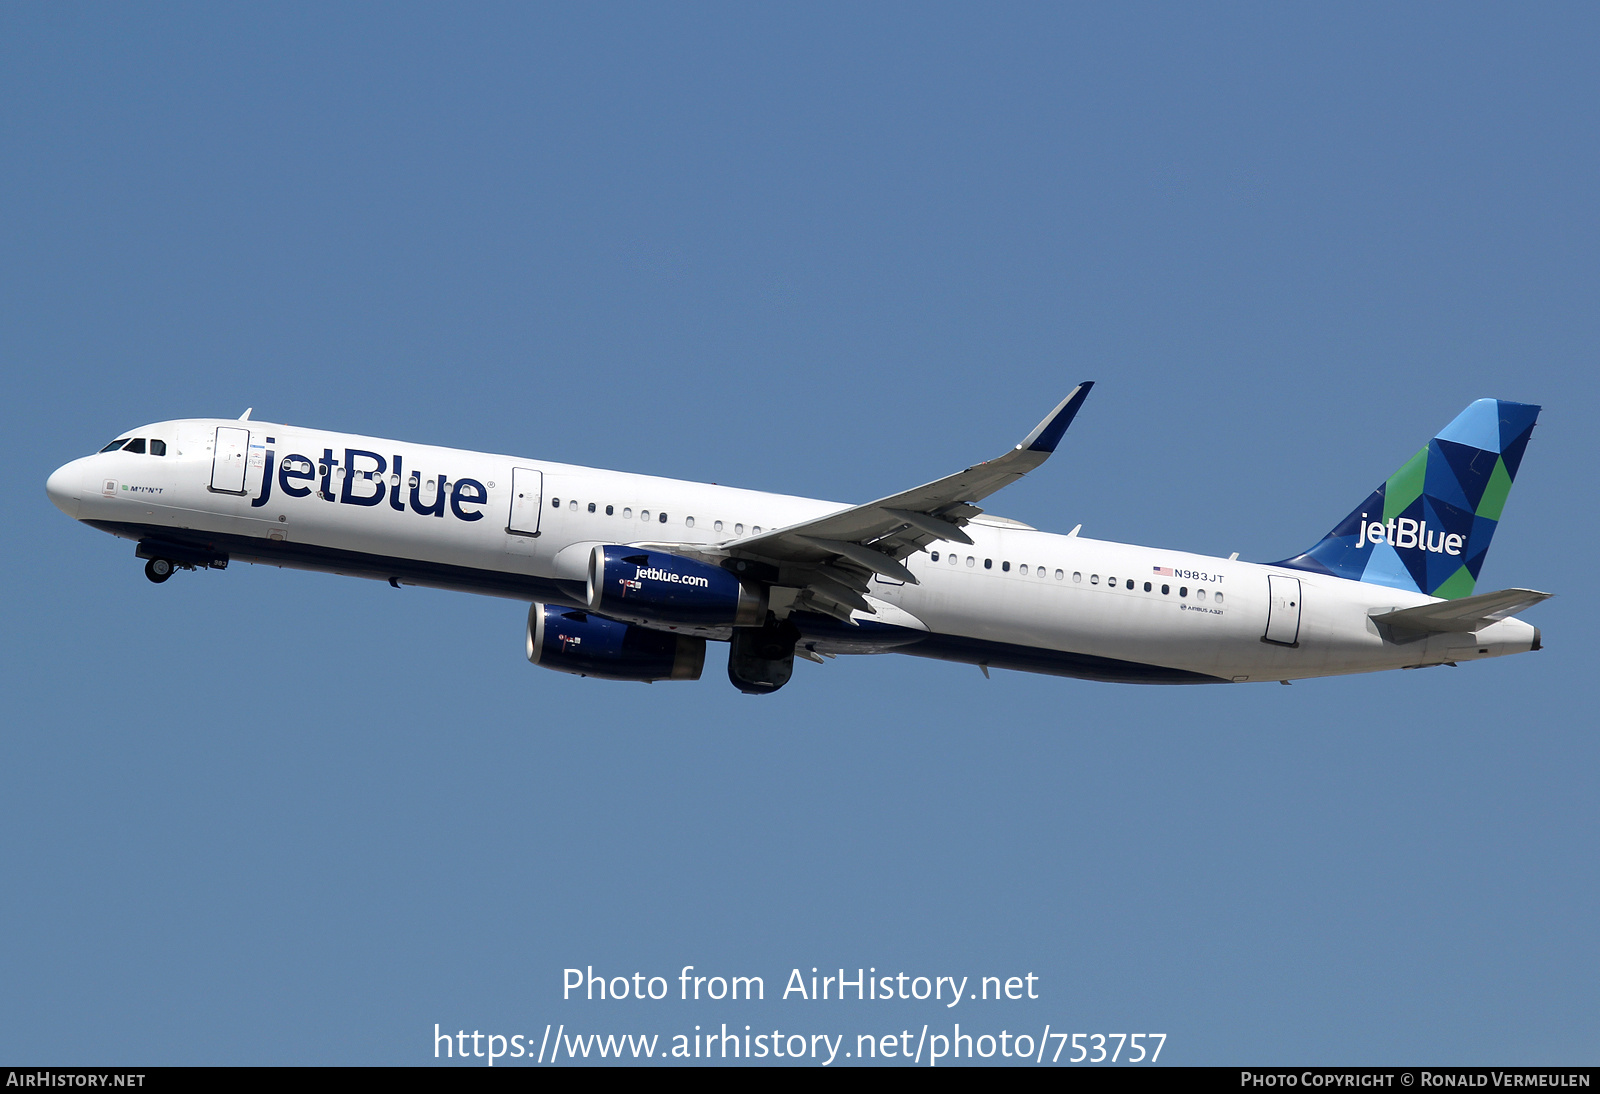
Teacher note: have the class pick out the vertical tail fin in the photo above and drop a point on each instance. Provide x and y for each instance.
(1428, 527)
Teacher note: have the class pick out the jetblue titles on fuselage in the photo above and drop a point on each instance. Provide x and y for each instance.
(364, 484)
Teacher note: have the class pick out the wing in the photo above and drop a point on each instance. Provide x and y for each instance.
(830, 560)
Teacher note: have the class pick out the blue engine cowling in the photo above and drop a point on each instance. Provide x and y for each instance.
(661, 587)
(571, 640)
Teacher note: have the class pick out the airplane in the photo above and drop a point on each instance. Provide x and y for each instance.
(629, 576)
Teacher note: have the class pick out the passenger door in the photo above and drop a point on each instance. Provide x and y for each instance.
(527, 502)
(1283, 611)
(228, 459)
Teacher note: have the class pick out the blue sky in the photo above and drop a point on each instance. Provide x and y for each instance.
(835, 251)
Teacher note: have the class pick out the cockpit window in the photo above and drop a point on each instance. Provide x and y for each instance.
(135, 445)
(114, 445)
(158, 448)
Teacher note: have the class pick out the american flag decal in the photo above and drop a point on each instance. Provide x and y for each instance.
(1164, 571)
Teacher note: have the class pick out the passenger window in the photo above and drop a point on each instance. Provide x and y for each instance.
(135, 445)
(611, 511)
(1094, 579)
(1219, 598)
(663, 518)
(1130, 583)
(114, 445)
(1023, 569)
(688, 522)
(1006, 567)
(934, 556)
(572, 505)
(644, 514)
(1200, 595)
(756, 531)
(591, 507)
(1112, 582)
(971, 562)
(1076, 576)
(1165, 589)
(555, 503)
(988, 564)
(717, 526)
(415, 481)
(953, 560)
(627, 513)
(394, 480)
(1146, 586)
(1040, 570)
(1183, 590)
(158, 448)
(1059, 575)
(738, 529)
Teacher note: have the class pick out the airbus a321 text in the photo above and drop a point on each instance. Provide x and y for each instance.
(630, 576)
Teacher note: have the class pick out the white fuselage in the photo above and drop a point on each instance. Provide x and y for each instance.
(1016, 597)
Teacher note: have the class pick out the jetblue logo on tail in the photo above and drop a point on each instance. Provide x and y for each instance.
(1427, 529)
(1406, 532)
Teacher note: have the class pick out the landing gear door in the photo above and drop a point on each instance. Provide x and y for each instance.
(1283, 611)
(228, 460)
(527, 502)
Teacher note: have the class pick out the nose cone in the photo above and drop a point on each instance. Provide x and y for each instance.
(64, 487)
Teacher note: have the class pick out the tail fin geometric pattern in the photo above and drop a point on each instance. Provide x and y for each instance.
(1428, 527)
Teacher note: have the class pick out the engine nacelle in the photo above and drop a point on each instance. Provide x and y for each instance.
(661, 587)
(571, 640)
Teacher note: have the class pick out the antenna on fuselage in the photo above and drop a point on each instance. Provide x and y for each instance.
(245, 417)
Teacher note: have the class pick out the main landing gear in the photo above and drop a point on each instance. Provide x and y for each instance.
(761, 659)
(158, 570)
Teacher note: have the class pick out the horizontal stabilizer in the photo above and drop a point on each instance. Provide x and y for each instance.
(1468, 614)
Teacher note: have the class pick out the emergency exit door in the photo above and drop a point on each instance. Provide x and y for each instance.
(1283, 611)
(227, 459)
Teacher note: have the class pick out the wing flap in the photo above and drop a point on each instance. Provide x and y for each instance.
(937, 527)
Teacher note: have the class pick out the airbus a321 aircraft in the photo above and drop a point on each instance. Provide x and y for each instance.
(630, 575)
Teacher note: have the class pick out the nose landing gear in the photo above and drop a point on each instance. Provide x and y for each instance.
(161, 558)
